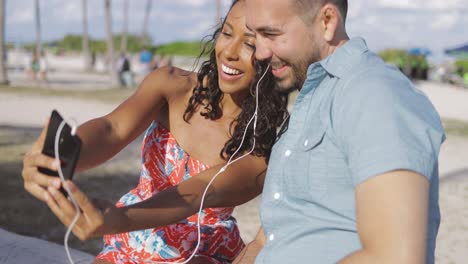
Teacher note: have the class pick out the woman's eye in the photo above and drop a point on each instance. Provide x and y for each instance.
(225, 33)
(250, 45)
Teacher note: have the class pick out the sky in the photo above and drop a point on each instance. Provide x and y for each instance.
(433, 24)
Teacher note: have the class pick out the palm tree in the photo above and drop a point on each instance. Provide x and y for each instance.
(38, 28)
(123, 43)
(144, 32)
(3, 73)
(85, 39)
(110, 45)
(218, 12)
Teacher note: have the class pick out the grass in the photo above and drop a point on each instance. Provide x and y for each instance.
(22, 214)
(111, 95)
(455, 127)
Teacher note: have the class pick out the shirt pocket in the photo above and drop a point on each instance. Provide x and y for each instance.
(305, 177)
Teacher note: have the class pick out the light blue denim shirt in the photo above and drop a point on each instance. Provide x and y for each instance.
(354, 118)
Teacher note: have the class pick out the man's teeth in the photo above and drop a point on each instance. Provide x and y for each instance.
(228, 70)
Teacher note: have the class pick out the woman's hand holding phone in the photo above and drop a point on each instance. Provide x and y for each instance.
(39, 165)
(36, 182)
(97, 217)
(39, 175)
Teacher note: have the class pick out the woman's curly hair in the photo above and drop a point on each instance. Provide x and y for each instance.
(272, 108)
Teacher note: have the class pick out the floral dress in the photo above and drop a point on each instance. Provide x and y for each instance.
(165, 164)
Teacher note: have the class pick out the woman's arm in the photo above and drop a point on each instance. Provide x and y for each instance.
(105, 136)
(239, 183)
(251, 250)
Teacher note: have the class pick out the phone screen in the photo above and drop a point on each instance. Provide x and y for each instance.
(69, 147)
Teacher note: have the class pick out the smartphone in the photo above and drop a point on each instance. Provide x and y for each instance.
(69, 148)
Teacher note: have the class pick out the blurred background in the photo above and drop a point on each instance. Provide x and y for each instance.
(85, 57)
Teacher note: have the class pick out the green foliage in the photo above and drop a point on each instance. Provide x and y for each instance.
(192, 49)
(462, 65)
(394, 56)
(71, 43)
(401, 58)
(74, 43)
(29, 47)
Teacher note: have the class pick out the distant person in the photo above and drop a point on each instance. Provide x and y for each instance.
(414, 61)
(401, 62)
(155, 63)
(424, 68)
(165, 61)
(93, 59)
(460, 70)
(146, 57)
(36, 66)
(124, 71)
(43, 66)
(32, 66)
(465, 79)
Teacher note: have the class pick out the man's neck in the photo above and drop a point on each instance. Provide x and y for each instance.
(334, 45)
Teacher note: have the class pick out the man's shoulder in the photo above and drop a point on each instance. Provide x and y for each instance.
(376, 85)
(381, 89)
(372, 76)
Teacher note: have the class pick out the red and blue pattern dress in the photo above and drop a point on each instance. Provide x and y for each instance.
(166, 164)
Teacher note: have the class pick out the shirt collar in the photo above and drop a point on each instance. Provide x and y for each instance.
(342, 60)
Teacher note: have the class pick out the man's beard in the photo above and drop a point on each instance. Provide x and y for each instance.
(299, 74)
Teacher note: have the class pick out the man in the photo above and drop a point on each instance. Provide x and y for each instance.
(355, 177)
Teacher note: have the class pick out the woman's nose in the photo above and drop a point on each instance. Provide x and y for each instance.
(232, 51)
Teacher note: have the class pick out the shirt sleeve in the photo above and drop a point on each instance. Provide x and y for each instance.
(384, 123)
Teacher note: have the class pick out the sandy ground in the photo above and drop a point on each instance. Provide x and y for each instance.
(22, 115)
(450, 101)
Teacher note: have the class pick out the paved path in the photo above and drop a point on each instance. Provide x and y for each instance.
(31, 110)
(21, 249)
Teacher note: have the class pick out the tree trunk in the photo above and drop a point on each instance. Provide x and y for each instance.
(110, 46)
(3, 72)
(123, 41)
(38, 28)
(144, 32)
(218, 12)
(85, 44)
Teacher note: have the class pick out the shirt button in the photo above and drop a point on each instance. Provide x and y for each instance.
(277, 196)
(306, 143)
(287, 153)
(272, 237)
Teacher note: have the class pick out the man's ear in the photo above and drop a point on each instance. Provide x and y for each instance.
(329, 21)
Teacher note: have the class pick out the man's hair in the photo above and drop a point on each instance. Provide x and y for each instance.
(315, 5)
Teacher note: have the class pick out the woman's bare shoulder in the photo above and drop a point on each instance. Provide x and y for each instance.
(172, 81)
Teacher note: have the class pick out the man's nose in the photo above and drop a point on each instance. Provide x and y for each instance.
(262, 50)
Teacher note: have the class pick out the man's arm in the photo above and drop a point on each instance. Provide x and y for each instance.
(392, 211)
(250, 252)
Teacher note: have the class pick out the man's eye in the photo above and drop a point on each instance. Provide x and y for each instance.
(270, 34)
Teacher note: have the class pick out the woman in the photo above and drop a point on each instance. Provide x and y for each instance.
(203, 114)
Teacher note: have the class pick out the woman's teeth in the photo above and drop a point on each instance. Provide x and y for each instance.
(229, 71)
